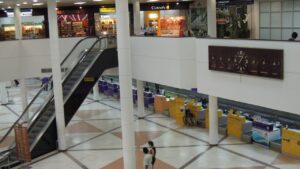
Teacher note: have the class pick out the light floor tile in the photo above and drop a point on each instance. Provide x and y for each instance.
(218, 158)
(177, 157)
(254, 151)
(142, 125)
(171, 138)
(105, 125)
(197, 132)
(167, 122)
(75, 138)
(232, 140)
(96, 159)
(59, 161)
(106, 141)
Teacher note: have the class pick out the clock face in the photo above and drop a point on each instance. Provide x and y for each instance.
(241, 61)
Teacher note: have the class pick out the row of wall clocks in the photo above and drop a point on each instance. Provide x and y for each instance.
(251, 61)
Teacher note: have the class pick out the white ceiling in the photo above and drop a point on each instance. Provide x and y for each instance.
(12, 3)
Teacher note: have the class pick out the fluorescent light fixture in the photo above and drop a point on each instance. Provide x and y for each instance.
(18, 4)
(25, 3)
(1, 2)
(152, 0)
(9, 7)
(35, 0)
(79, 3)
(38, 4)
(97, 0)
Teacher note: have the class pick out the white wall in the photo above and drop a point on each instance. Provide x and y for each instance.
(276, 94)
(167, 61)
(26, 58)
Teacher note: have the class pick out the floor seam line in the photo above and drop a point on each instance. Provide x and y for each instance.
(177, 131)
(93, 137)
(195, 158)
(13, 111)
(249, 158)
(76, 161)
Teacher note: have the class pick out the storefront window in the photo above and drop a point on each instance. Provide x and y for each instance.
(73, 25)
(7, 28)
(33, 27)
(105, 22)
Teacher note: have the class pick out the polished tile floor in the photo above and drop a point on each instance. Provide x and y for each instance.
(94, 140)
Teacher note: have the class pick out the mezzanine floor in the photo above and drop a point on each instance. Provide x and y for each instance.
(94, 141)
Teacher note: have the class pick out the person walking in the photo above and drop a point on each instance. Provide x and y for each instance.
(147, 159)
(152, 152)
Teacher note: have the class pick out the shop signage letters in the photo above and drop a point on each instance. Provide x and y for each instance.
(249, 61)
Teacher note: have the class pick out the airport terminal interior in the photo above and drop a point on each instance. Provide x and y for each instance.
(149, 84)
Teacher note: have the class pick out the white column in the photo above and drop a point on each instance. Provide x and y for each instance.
(24, 97)
(140, 96)
(136, 17)
(3, 93)
(125, 80)
(96, 92)
(255, 20)
(213, 120)
(18, 23)
(56, 71)
(212, 18)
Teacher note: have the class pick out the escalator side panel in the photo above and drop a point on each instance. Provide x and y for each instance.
(107, 59)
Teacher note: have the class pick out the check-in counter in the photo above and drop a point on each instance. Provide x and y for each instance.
(160, 103)
(238, 125)
(291, 142)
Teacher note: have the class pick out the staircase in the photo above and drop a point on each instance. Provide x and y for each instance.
(82, 68)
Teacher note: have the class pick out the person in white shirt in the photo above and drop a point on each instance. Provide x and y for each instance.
(147, 159)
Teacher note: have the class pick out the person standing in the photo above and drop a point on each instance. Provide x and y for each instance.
(147, 159)
(152, 152)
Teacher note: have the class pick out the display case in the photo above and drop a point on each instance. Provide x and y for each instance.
(31, 30)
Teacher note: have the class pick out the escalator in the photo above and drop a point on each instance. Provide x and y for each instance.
(81, 69)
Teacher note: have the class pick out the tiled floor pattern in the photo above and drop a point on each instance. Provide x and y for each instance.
(94, 141)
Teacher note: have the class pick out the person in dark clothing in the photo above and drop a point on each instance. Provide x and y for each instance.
(152, 151)
(294, 36)
(16, 82)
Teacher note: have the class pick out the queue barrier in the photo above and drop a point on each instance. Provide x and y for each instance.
(290, 142)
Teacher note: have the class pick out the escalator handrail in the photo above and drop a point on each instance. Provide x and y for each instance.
(44, 85)
(72, 50)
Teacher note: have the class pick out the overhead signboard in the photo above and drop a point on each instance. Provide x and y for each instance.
(234, 2)
(164, 6)
(107, 10)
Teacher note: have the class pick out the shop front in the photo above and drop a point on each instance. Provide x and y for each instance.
(33, 27)
(165, 19)
(105, 22)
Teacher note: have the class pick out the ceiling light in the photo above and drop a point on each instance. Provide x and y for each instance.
(97, 0)
(25, 3)
(38, 4)
(79, 3)
(152, 0)
(1, 2)
(80, 7)
(35, 0)
(18, 4)
(3, 9)
(9, 7)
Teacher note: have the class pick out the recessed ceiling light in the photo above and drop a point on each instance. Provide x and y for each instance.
(35, 0)
(1, 2)
(79, 3)
(80, 7)
(9, 7)
(25, 3)
(38, 4)
(18, 4)
(152, 0)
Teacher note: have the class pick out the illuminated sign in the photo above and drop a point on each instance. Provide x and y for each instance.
(234, 2)
(107, 10)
